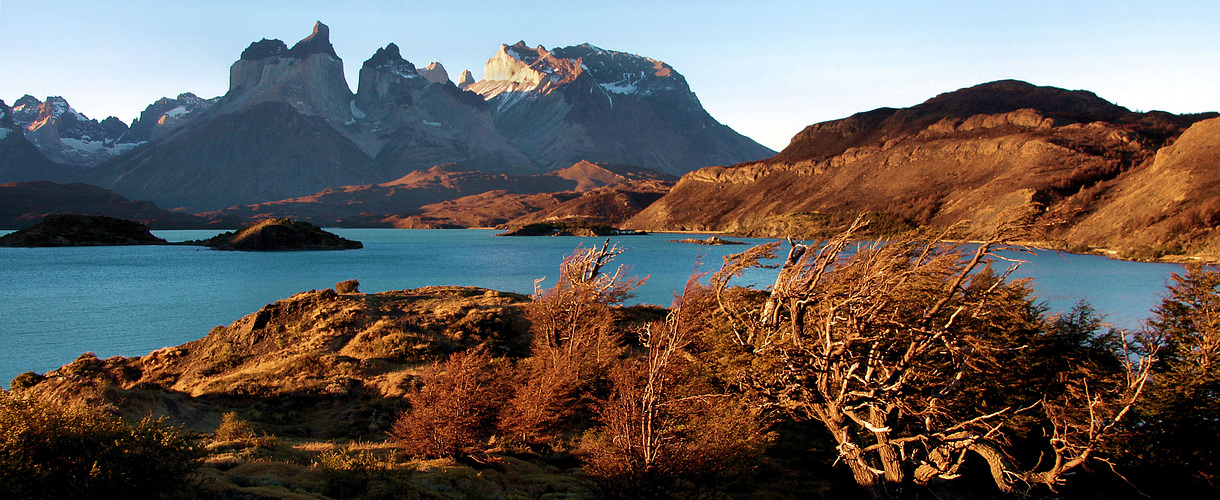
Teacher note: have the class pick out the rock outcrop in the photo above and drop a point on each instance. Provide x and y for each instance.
(321, 364)
(465, 79)
(279, 235)
(434, 72)
(75, 230)
(308, 76)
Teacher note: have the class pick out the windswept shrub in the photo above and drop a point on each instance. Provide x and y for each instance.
(456, 407)
(911, 355)
(234, 429)
(573, 320)
(543, 403)
(575, 340)
(665, 431)
(59, 450)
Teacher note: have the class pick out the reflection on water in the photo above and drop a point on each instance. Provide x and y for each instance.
(60, 302)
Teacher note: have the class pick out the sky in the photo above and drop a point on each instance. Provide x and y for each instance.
(765, 68)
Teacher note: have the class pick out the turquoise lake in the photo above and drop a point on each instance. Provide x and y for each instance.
(129, 301)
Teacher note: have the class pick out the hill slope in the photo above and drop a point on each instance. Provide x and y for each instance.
(23, 204)
(975, 154)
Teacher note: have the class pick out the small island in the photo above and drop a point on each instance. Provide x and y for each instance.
(569, 229)
(278, 235)
(76, 230)
(711, 240)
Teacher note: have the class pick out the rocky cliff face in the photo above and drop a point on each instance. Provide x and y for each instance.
(978, 154)
(415, 123)
(584, 102)
(268, 151)
(309, 77)
(465, 79)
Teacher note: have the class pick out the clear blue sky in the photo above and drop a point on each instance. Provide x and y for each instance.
(765, 68)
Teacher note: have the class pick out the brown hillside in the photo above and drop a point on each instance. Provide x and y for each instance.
(368, 204)
(316, 364)
(605, 206)
(490, 209)
(970, 154)
(1174, 202)
(444, 198)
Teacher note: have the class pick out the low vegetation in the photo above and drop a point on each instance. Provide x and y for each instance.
(900, 369)
(53, 450)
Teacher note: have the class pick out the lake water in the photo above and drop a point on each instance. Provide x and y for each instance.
(60, 302)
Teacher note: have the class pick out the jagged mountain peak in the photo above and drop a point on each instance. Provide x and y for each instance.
(521, 51)
(623, 72)
(317, 42)
(26, 100)
(30, 109)
(390, 59)
(166, 115)
(465, 79)
(435, 72)
(530, 69)
(65, 135)
(263, 49)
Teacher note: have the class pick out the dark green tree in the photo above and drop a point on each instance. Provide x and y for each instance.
(1181, 416)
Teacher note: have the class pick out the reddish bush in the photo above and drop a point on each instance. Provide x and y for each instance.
(455, 408)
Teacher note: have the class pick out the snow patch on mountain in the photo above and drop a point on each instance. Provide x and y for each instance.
(620, 87)
(356, 111)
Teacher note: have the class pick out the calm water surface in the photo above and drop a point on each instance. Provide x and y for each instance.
(60, 302)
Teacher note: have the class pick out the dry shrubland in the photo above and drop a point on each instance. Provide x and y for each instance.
(905, 368)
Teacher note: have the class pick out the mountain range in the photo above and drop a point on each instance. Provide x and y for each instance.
(290, 125)
(582, 133)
